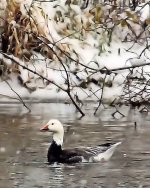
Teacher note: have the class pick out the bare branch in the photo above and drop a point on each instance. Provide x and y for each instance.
(52, 82)
(100, 100)
(19, 98)
(117, 112)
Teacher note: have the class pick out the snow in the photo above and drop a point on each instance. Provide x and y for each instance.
(87, 51)
(5, 90)
(144, 9)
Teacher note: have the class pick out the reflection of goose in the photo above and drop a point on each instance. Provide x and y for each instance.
(87, 154)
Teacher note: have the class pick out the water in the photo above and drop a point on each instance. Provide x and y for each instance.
(23, 148)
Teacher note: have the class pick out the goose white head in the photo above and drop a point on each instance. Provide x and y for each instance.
(56, 128)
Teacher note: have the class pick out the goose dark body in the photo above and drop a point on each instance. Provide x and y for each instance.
(76, 155)
(56, 154)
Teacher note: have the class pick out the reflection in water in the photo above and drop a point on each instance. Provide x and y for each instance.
(56, 177)
(23, 148)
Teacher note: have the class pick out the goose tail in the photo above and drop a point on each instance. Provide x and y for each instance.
(105, 156)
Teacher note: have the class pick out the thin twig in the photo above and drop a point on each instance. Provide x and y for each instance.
(34, 72)
(117, 111)
(100, 100)
(19, 98)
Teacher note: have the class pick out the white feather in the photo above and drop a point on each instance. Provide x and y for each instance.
(105, 156)
(58, 131)
(58, 138)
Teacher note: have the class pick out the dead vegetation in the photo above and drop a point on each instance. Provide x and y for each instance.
(26, 33)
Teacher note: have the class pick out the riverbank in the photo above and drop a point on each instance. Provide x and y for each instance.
(69, 53)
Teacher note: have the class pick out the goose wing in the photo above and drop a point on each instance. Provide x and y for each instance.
(93, 151)
(72, 155)
(86, 153)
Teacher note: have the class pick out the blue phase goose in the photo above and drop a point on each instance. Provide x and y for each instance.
(55, 153)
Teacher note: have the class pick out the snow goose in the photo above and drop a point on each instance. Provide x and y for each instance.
(55, 153)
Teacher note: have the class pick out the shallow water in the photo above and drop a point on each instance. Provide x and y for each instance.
(23, 148)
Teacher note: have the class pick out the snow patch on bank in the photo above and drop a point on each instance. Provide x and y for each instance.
(112, 56)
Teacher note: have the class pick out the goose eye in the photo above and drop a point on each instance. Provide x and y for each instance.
(52, 123)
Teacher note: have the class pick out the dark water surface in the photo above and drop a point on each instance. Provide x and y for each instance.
(23, 148)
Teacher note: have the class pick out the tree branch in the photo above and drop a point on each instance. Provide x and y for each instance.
(52, 82)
